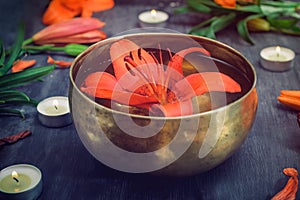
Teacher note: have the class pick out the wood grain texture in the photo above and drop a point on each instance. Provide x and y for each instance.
(70, 172)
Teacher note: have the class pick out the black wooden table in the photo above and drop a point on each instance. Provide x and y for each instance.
(70, 172)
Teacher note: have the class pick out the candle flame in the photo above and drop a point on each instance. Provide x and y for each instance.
(277, 49)
(153, 13)
(14, 174)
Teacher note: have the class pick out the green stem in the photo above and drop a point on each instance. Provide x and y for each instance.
(38, 48)
(27, 41)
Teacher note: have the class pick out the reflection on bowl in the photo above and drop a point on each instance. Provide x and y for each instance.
(123, 139)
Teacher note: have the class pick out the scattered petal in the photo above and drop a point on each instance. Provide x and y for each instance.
(20, 65)
(290, 190)
(61, 63)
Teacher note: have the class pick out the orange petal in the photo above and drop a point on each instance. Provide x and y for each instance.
(200, 83)
(99, 5)
(56, 12)
(81, 38)
(73, 4)
(69, 27)
(60, 63)
(290, 190)
(121, 49)
(176, 62)
(226, 3)
(173, 109)
(104, 85)
(20, 65)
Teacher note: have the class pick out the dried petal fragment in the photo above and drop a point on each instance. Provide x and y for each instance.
(14, 138)
(290, 190)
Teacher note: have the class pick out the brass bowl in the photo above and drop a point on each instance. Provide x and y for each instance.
(181, 146)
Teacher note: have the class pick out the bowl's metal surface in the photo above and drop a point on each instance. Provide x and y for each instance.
(95, 123)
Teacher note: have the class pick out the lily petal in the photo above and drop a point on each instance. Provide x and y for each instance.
(57, 12)
(60, 63)
(69, 27)
(176, 62)
(20, 65)
(99, 5)
(204, 82)
(121, 49)
(105, 85)
(180, 108)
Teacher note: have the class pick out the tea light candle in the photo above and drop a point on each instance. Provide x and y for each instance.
(54, 112)
(277, 58)
(153, 18)
(20, 181)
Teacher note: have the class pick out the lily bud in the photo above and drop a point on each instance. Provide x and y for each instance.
(76, 30)
(258, 24)
(74, 49)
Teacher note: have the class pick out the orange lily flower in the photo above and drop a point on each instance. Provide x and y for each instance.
(140, 80)
(76, 30)
(20, 65)
(226, 3)
(61, 10)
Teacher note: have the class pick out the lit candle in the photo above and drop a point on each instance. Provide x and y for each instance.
(277, 58)
(21, 181)
(54, 112)
(153, 18)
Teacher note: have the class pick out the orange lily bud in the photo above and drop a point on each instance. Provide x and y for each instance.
(67, 29)
(20, 65)
(81, 38)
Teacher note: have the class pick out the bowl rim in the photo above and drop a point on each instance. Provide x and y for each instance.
(116, 38)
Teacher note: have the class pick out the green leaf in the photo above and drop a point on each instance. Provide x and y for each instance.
(281, 3)
(243, 30)
(198, 6)
(2, 54)
(181, 10)
(267, 10)
(14, 112)
(216, 24)
(13, 94)
(250, 8)
(282, 23)
(202, 24)
(295, 30)
(20, 78)
(15, 51)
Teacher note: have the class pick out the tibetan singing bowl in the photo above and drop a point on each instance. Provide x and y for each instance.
(124, 138)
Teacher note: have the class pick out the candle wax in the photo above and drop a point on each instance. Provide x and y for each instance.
(153, 17)
(9, 185)
(56, 109)
(277, 57)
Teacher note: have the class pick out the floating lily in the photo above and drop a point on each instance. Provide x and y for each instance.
(76, 30)
(142, 80)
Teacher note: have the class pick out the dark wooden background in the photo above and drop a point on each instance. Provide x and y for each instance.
(70, 172)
